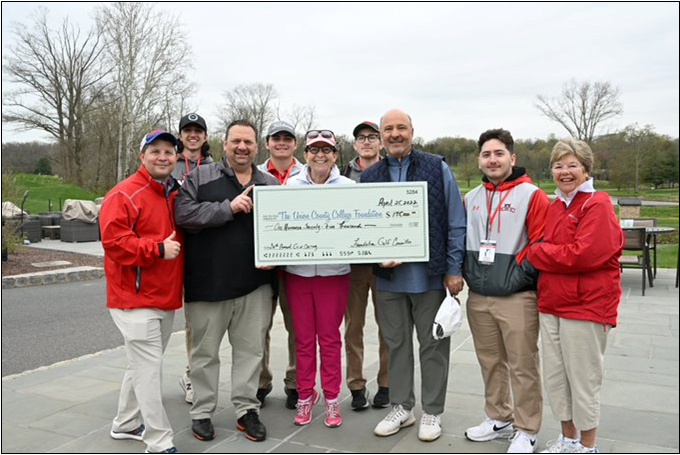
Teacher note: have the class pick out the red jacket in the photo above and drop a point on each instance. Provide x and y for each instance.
(135, 217)
(579, 260)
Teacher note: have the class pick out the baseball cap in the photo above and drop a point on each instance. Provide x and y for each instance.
(280, 126)
(192, 119)
(365, 124)
(157, 134)
(320, 137)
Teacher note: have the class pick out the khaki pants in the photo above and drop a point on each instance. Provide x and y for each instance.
(246, 318)
(505, 334)
(146, 332)
(187, 342)
(361, 280)
(266, 376)
(573, 366)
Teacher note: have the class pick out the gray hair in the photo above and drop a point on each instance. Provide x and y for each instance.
(570, 146)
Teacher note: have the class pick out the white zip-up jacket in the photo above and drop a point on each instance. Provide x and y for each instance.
(303, 178)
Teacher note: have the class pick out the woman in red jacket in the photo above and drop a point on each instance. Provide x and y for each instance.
(579, 290)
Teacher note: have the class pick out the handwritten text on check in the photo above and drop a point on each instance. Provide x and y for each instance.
(335, 224)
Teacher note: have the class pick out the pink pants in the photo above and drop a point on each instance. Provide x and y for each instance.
(318, 306)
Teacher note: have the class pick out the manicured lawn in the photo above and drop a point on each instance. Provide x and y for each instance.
(668, 256)
(45, 188)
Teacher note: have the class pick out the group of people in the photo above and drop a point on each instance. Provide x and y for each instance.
(180, 230)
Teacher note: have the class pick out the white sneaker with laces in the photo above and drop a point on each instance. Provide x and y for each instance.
(489, 430)
(185, 384)
(561, 445)
(522, 442)
(430, 427)
(580, 448)
(397, 419)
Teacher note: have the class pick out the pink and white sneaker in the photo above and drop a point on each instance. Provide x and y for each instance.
(333, 416)
(304, 409)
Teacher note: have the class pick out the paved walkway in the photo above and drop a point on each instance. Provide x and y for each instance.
(91, 248)
(68, 407)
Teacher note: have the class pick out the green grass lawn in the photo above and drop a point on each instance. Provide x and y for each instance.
(668, 256)
(45, 188)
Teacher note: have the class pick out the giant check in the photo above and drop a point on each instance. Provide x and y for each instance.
(335, 224)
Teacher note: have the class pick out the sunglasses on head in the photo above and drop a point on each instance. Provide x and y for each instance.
(313, 134)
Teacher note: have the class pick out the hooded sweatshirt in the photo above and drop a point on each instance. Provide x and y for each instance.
(512, 214)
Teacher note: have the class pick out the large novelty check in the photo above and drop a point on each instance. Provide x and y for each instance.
(335, 224)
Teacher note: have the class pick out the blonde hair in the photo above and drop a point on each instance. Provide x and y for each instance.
(570, 146)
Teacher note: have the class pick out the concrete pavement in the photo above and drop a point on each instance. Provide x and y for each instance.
(91, 248)
(68, 407)
(65, 275)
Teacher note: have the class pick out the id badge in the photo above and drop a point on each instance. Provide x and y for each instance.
(487, 252)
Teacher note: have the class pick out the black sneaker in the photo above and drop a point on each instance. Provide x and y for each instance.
(382, 398)
(291, 398)
(250, 424)
(203, 429)
(262, 394)
(359, 399)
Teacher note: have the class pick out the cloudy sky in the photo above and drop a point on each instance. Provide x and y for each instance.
(457, 68)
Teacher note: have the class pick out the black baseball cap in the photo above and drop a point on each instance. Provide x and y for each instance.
(193, 119)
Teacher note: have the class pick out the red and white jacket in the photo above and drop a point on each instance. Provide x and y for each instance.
(135, 217)
(579, 259)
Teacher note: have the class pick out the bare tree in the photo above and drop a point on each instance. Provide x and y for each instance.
(302, 117)
(150, 55)
(640, 141)
(58, 74)
(254, 102)
(582, 107)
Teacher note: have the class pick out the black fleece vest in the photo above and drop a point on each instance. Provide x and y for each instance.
(424, 167)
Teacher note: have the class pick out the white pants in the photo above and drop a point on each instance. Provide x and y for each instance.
(573, 368)
(146, 332)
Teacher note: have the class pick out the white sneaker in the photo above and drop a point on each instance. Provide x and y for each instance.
(580, 448)
(430, 427)
(397, 419)
(185, 384)
(562, 445)
(489, 430)
(522, 442)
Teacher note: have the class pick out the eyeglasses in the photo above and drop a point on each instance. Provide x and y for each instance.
(324, 150)
(370, 138)
(327, 134)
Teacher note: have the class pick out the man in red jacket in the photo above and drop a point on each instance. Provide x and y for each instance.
(143, 263)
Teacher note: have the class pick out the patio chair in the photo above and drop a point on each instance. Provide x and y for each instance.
(636, 241)
(648, 222)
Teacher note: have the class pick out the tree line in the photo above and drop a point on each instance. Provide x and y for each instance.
(97, 92)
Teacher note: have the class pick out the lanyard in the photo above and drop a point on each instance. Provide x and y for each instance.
(186, 163)
(287, 173)
(491, 217)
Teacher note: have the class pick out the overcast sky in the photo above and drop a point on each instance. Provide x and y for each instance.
(457, 68)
